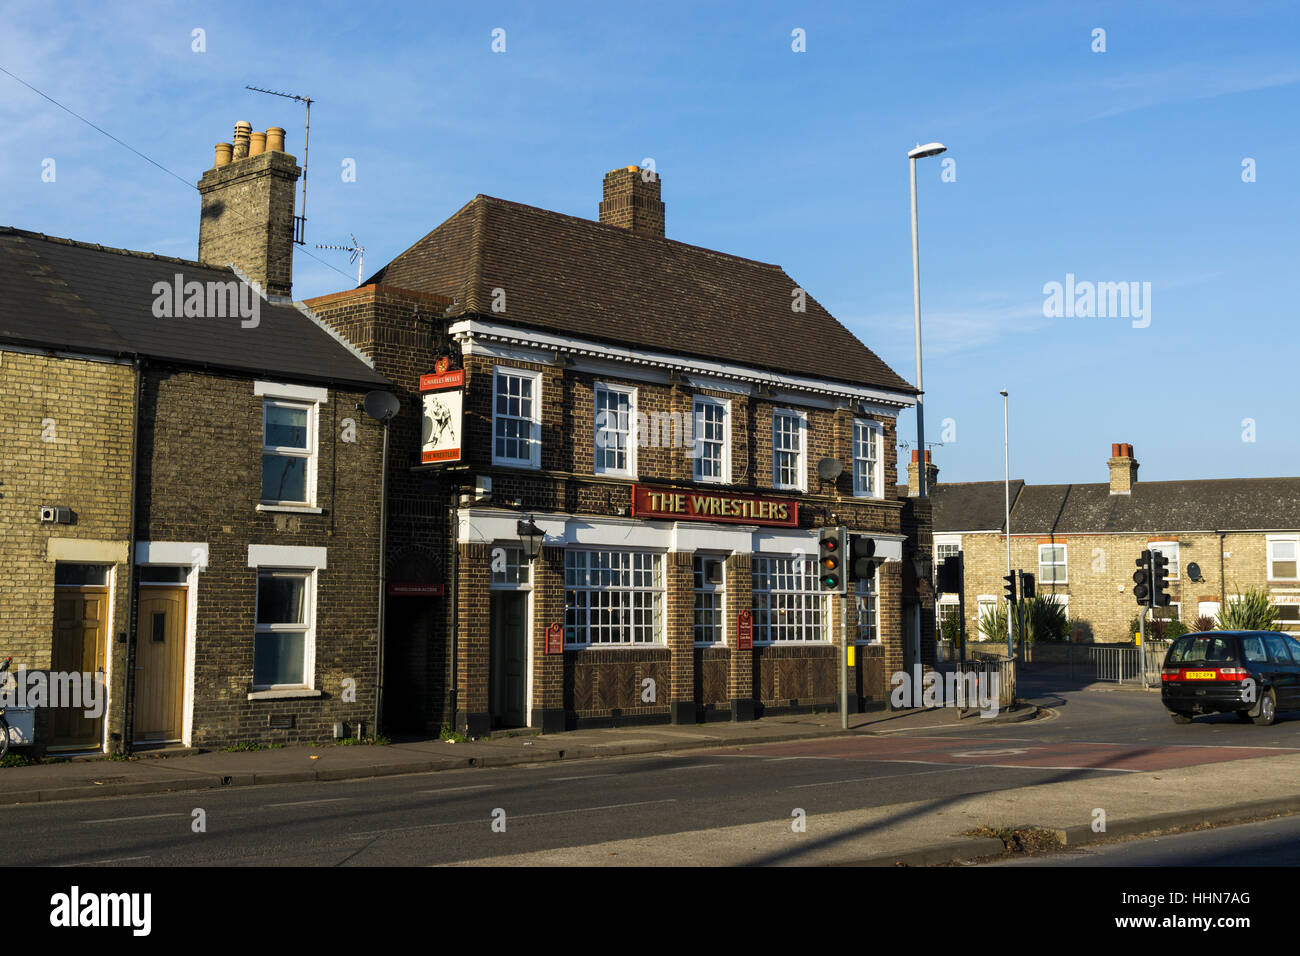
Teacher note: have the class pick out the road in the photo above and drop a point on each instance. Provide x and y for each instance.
(457, 816)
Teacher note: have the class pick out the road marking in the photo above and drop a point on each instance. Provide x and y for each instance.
(587, 776)
(116, 859)
(698, 766)
(1004, 752)
(305, 803)
(887, 776)
(517, 816)
(150, 816)
(480, 786)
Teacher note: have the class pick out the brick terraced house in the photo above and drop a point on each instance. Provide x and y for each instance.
(1081, 542)
(647, 417)
(188, 494)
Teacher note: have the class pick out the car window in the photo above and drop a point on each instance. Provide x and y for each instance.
(1204, 648)
(1295, 647)
(1277, 649)
(1253, 648)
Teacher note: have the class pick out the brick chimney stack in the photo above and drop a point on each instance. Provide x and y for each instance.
(632, 201)
(914, 474)
(247, 207)
(1123, 469)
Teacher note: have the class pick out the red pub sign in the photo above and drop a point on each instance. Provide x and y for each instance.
(745, 631)
(677, 505)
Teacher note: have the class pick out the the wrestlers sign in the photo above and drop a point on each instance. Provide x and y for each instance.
(713, 506)
(443, 392)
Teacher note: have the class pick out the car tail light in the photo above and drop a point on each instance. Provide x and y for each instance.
(1233, 673)
(1171, 673)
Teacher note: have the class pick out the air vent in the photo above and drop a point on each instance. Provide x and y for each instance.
(283, 721)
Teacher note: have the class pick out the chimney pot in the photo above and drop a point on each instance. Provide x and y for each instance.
(1123, 469)
(243, 130)
(275, 139)
(223, 155)
(256, 144)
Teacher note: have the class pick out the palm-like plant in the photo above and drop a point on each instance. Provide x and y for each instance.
(1252, 611)
(1204, 623)
(993, 623)
(1045, 619)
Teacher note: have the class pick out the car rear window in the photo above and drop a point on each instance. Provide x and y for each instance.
(1253, 648)
(1203, 647)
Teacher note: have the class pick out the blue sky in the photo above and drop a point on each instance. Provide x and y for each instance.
(1122, 166)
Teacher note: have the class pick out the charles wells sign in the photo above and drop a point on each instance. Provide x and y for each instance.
(713, 506)
(443, 394)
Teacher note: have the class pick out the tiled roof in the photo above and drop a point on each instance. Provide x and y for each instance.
(1228, 504)
(79, 297)
(606, 283)
(973, 505)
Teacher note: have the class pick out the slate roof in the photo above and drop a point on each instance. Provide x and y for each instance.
(1226, 504)
(80, 297)
(602, 282)
(973, 505)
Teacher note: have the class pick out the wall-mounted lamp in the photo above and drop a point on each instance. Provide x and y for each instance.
(531, 536)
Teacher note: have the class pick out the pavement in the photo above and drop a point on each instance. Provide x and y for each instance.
(159, 772)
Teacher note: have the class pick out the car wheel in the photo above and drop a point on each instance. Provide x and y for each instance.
(1181, 718)
(1267, 710)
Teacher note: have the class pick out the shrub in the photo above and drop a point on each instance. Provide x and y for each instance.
(1252, 611)
(1204, 623)
(950, 630)
(1045, 619)
(993, 623)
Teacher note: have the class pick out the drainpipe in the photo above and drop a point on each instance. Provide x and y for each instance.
(1222, 587)
(128, 685)
(383, 582)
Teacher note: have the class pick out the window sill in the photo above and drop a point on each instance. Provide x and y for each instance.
(283, 693)
(294, 509)
(615, 647)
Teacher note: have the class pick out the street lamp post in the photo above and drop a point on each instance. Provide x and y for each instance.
(920, 152)
(1006, 488)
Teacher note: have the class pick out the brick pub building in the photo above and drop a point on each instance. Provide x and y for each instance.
(656, 412)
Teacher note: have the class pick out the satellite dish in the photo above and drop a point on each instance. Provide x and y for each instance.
(381, 406)
(828, 469)
(1194, 571)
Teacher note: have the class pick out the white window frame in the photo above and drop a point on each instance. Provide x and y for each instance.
(801, 418)
(598, 467)
(1175, 609)
(724, 468)
(1064, 564)
(1170, 550)
(983, 601)
(719, 591)
(308, 627)
(534, 459)
(514, 559)
(1273, 539)
(862, 598)
(310, 452)
(806, 569)
(658, 607)
(877, 432)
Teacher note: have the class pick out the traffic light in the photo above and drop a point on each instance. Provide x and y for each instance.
(1159, 580)
(862, 560)
(1010, 587)
(1026, 585)
(950, 575)
(1142, 579)
(830, 559)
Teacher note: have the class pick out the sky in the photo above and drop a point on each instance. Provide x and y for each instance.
(1153, 152)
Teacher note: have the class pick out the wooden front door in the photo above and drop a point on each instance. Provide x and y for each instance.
(509, 661)
(80, 642)
(160, 664)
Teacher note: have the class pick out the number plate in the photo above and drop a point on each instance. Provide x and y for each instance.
(1200, 675)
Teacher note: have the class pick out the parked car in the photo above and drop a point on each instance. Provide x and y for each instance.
(1254, 674)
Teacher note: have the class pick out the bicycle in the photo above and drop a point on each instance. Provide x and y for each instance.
(4, 724)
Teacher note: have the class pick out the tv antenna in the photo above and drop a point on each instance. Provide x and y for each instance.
(299, 222)
(358, 255)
